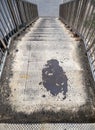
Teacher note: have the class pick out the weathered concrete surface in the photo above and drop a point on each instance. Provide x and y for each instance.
(46, 41)
(47, 79)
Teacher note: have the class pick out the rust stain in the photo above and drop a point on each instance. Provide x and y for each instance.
(25, 76)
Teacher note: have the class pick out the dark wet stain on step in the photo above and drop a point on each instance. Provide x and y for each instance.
(54, 78)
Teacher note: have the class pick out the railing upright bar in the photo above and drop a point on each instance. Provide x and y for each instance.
(8, 21)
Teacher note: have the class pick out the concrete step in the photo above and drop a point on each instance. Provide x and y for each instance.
(47, 75)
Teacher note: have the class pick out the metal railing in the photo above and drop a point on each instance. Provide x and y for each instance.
(79, 15)
(15, 15)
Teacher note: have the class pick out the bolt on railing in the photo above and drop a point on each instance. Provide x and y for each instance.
(14, 16)
(79, 15)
